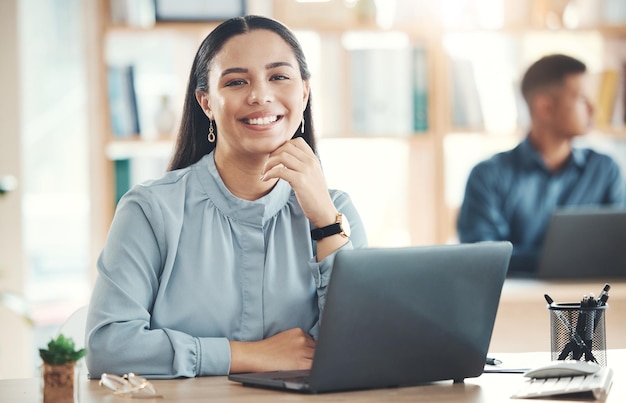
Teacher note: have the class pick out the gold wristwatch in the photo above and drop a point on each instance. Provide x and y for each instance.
(340, 226)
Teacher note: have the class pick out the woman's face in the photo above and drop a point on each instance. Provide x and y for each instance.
(256, 93)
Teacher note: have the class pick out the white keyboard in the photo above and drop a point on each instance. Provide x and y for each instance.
(596, 385)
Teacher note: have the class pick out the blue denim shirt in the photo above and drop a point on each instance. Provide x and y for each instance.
(187, 267)
(512, 195)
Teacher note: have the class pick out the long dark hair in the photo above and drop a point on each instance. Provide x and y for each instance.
(191, 142)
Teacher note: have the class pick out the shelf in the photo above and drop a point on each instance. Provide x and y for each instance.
(607, 30)
(139, 148)
(610, 132)
(195, 27)
(439, 158)
(163, 148)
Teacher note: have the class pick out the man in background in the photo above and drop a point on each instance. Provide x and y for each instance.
(512, 195)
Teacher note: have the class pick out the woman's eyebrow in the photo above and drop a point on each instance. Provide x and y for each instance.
(277, 64)
(234, 70)
(244, 70)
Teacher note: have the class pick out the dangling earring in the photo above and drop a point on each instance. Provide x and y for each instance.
(302, 126)
(211, 136)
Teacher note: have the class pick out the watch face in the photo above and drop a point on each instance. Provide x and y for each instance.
(345, 226)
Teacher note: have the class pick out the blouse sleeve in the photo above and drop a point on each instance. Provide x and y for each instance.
(119, 336)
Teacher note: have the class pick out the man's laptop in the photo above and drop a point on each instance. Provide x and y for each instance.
(400, 317)
(585, 243)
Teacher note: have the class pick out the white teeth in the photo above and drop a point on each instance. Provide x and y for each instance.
(262, 121)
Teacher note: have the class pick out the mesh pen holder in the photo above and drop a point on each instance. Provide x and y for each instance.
(578, 333)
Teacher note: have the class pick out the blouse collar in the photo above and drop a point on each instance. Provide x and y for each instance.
(254, 212)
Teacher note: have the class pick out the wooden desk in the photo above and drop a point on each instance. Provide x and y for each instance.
(523, 322)
(488, 388)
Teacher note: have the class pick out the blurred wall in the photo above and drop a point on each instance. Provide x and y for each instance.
(15, 333)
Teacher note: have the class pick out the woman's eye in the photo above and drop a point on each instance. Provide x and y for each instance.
(233, 83)
(278, 77)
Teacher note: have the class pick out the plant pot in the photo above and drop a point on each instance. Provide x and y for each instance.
(58, 383)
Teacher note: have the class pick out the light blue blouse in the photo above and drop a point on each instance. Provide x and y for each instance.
(187, 266)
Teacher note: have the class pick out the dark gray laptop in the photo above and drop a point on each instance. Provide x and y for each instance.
(402, 316)
(585, 243)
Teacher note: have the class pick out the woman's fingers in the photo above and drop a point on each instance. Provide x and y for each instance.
(290, 349)
(297, 164)
(294, 155)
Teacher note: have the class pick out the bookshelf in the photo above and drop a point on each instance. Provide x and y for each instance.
(410, 151)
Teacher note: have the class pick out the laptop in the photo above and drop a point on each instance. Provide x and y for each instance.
(402, 316)
(584, 243)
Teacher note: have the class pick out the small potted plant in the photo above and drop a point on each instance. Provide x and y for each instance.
(59, 362)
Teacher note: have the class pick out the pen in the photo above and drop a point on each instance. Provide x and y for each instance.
(580, 326)
(585, 325)
(601, 301)
(493, 361)
(550, 300)
(592, 301)
(604, 295)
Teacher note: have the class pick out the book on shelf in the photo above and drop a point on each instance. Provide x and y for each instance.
(466, 106)
(618, 117)
(606, 98)
(129, 172)
(134, 13)
(156, 72)
(198, 10)
(420, 90)
(382, 94)
(123, 108)
(121, 177)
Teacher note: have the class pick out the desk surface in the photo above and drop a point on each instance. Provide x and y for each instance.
(488, 388)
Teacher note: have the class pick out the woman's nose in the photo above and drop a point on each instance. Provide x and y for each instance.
(260, 93)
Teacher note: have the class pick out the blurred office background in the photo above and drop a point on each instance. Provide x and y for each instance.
(408, 96)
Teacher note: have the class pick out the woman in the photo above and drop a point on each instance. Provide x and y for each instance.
(221, 266)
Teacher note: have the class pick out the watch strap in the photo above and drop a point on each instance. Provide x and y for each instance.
(323, 232)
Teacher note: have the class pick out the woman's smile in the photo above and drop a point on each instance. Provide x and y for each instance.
(262, 121)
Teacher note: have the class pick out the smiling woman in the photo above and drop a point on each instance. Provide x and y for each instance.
(222, 265)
